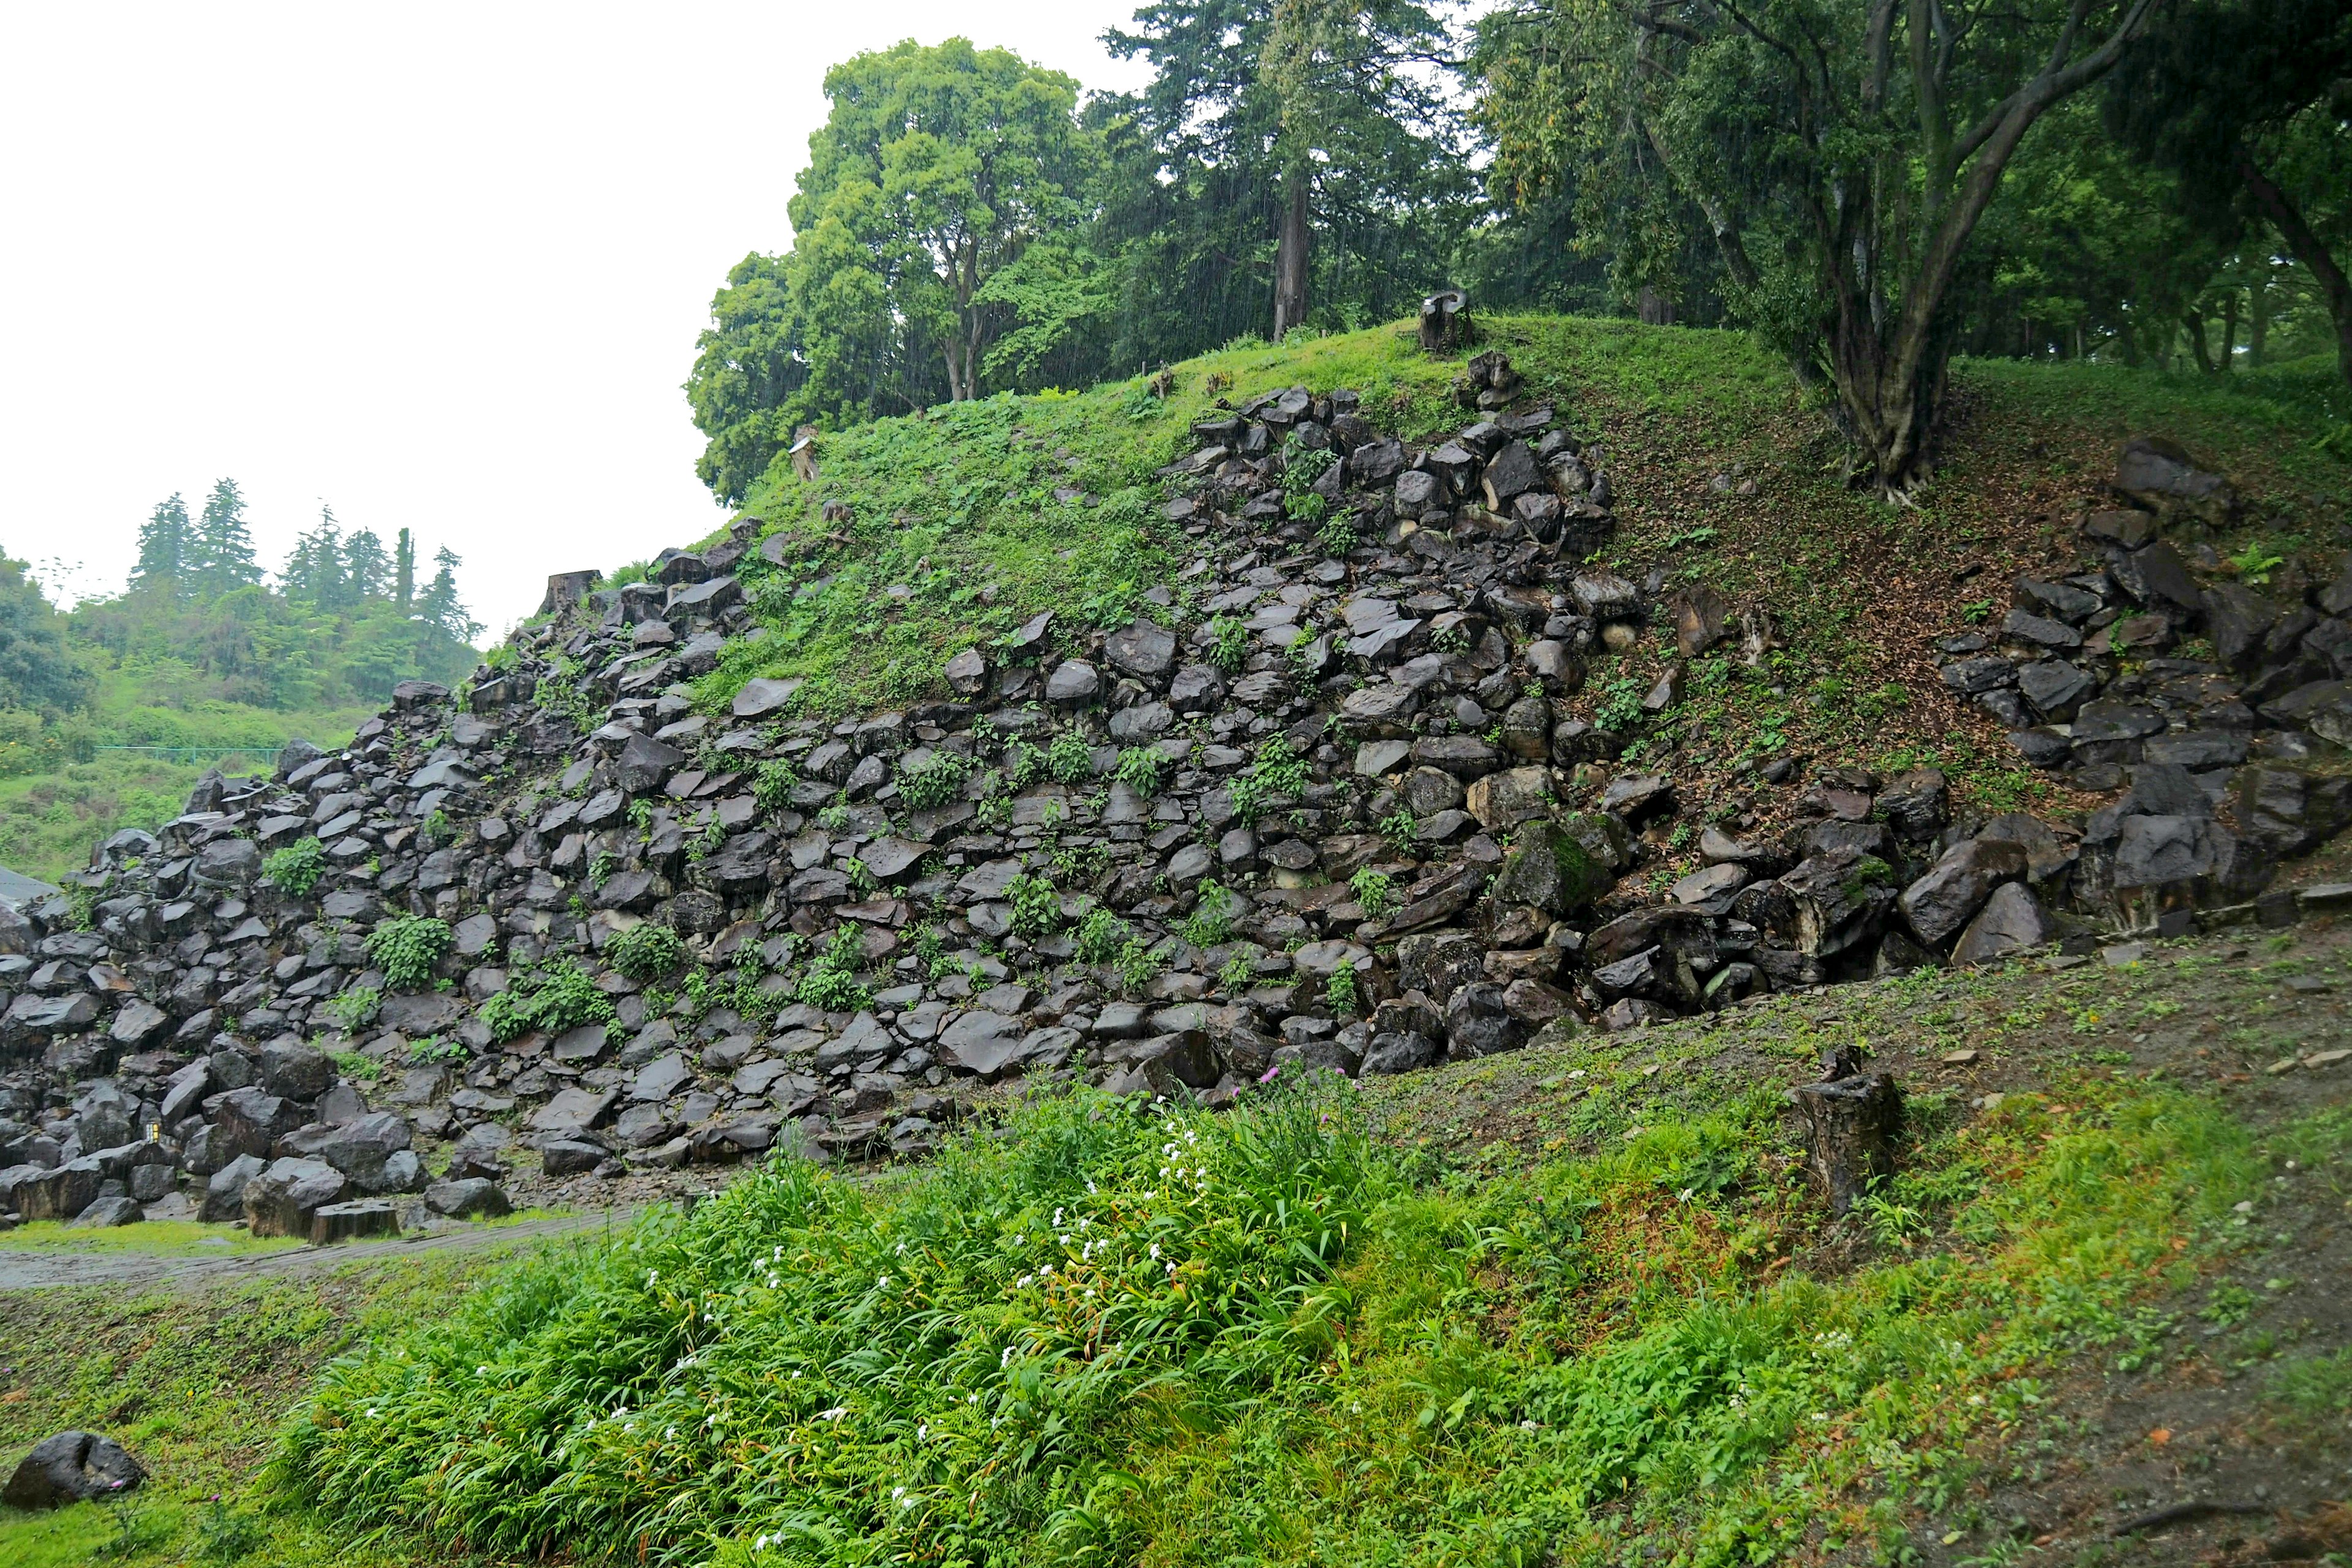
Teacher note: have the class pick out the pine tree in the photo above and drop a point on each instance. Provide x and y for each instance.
(163, 547)
(314, 572)
(220, 557)
(405, 570)
(439, 607)
(365, 566)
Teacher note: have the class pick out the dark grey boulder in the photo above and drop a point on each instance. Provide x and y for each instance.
(2290, 810)
(72, 1466)
(281, 1200)
(645, 762)
(473, 1197)
(1144, 649)
(1943, 901)
(2011, 919)
(1479, 1023)
(293, 1070)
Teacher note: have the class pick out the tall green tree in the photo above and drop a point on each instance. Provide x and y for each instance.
(2249, 103)
(749, 366)
(438, 606)
(1840, 152)
(404, 571)
(367, 570)
(164, 545)
(313, 572)
(38, 671)
(937, 168)
(1290, 161)
(220, 550)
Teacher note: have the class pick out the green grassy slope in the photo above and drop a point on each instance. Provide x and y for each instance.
(963, 524)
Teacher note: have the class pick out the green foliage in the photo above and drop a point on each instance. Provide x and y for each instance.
(226, 1536)
(1036, 907)
(356, 1007)
(1301, 467)
(1341, 994)
(437, 827)
(1375, 894)
(1069, 759)
(295, 870)
(646, 952)
(1101, 935)
(1619, 709)
(1338, 536)
(553, 996)
(831, 982)
(1210, 923)
(773, 784)
(1401, 832)
(1138, 768)
(354, 1065)
(2255, 564)
(406, 947)
(936, 782)
(1275, 773)
(1238, 974)
(1229, 644)
(1199, 1260)
(1137, 962)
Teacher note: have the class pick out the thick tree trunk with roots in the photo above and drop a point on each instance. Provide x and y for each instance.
(2308, 248)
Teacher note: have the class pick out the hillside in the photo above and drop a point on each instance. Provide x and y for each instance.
(1467, 748)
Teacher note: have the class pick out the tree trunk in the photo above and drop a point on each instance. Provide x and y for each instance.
(2306, 247)
(2258, 331)
(2192, 321)
(2230, 330)
(1290, 254)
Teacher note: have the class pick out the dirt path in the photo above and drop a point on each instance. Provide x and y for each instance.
(29, 1271)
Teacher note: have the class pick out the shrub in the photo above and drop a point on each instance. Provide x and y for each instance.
(1036, 907)
(554, 997)
(1337, 535)
(771, 786)
(1375, 894)
(1341, 995)
(407, 947)
(1139, 769)
(1401, 830)
(1137, 962)
(295, 870)
(1228, 645)
(1239, 974)
(831, 982)
(1277, 772)
(1210, 923)
(357, 1007)
(1069, 759)
(936, 782)
(646, 952)
(1101, 935)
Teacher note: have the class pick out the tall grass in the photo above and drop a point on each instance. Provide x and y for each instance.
(1105, 1335)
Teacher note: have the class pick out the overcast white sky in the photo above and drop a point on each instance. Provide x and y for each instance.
(439, 264)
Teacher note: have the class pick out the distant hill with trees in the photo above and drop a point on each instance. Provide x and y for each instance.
(109, 712)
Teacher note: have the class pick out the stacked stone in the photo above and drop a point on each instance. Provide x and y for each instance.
(1289, 717)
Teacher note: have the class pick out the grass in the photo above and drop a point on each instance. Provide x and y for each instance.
(155, 1237)
(964, 523)
(1270, 1337)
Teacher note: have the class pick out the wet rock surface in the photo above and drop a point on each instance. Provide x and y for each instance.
(1332, 799)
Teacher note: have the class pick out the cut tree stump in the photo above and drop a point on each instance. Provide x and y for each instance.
(1444, 321)
(1851, 1126)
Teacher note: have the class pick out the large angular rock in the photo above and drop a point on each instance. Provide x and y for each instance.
(1144, 649)
(1835, 894)
(62, 1192)
(365, 1149)
(645, 762)
(2160, 474)
(1478, 1023)
(295, 1072)
(282, 1200)
(982, 1043)
(1438, 963)
(1552, 868)
(2290, 810)
(765, 696)
(251, 1119)
(472, 1197)
(2011, 919)
(1953, 890)
(228, 863)
(1503, 800)
(71, 1467)
(225, 1190)
(574, 1111)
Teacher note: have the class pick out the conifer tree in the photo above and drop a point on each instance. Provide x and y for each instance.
(220, 556)
(405, 570)
(438, 606)
(163, 547)
(366, 570)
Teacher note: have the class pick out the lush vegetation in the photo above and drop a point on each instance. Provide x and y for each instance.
(1266, 1336)
(108, 713)
(1871, 188)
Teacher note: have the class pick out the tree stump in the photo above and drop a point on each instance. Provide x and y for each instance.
(802, 452)
(1851, 1126)
(566, 589)
(1444, 321)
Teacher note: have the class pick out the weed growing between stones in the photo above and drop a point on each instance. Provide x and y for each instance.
(407, 947)
(295, 870)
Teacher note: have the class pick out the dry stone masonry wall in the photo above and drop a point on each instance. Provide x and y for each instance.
(1335, 798)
